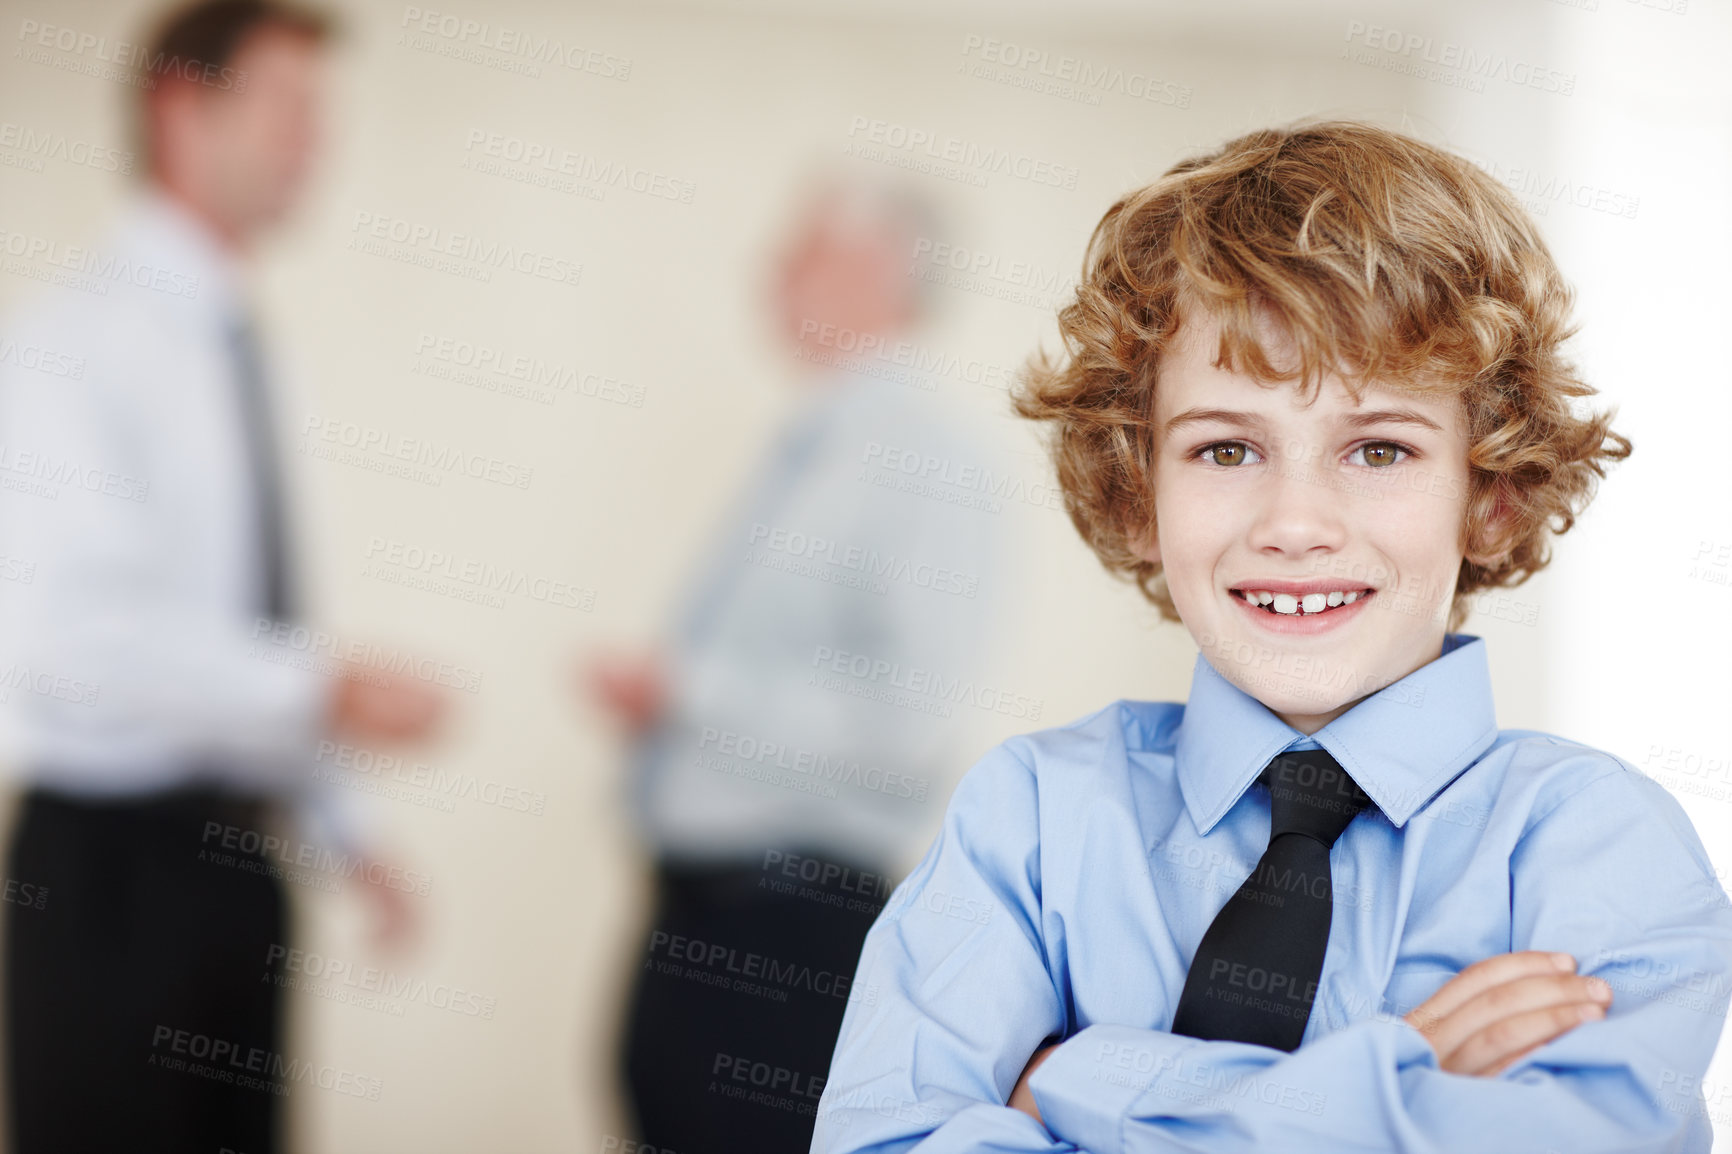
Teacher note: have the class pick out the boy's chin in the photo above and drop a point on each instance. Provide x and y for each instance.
(1291, 697)
(1286, 683)
(1299, 684)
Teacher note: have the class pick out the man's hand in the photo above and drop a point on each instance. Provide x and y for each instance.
(395, 921)
(1496, 1010)
(633, 689)
(1021, 1097)
(371, 706)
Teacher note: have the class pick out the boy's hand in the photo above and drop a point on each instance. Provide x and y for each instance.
(1021, 1097)
(1482, 1019)
(1496, 1010)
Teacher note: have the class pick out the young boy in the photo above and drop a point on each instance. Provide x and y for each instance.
(1313, 399)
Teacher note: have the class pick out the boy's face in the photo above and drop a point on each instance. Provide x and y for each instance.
(1258, 493)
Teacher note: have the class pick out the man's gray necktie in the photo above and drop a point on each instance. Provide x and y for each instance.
(276, 596)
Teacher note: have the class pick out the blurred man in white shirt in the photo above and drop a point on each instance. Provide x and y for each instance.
(158, 719)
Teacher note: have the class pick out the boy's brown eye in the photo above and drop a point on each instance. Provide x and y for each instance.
(1227, 454)
(1380, 454)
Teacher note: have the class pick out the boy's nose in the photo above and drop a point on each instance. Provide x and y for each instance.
(1298, 510)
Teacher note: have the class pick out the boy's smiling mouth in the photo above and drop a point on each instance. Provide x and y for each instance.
(1297, 600)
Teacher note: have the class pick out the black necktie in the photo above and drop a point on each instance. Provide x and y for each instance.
(1255, 974)
(275, 598)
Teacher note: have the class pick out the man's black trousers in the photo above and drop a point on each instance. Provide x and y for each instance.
(739, 1000)
(144, 943)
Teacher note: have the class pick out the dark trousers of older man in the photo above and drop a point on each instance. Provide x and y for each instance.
(739, 1001)
(141, 1006)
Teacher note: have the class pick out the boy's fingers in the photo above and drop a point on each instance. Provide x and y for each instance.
(1483, 975)
(1494, 1047)
(1500, 1004)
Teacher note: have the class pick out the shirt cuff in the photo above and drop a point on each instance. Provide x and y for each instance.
(1407, 1044)
(1091, 1083)
(1088, 1085)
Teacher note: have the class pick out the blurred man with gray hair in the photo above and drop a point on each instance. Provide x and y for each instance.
(792, 744)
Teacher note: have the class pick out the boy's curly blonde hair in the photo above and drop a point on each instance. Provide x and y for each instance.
(1385, 260)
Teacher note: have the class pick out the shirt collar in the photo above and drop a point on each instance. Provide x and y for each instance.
(1402, 744)
(165, 234)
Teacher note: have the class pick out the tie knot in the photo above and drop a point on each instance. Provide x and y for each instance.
(1309, 793)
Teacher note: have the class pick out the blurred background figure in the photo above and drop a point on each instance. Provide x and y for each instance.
(790, 740)
(162, 712)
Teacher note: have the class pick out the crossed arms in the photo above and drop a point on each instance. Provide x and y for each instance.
(939, 1034)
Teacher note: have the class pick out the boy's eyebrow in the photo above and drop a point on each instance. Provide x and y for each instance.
(1353, 421)
(1199, 416)
(1392, 417)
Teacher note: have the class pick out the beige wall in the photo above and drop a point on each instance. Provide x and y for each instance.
(543, 912)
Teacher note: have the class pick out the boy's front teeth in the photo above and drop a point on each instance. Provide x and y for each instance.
(1310, 603)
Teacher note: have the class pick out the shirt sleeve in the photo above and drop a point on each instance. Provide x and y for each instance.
(953, 994)
(1613, 874)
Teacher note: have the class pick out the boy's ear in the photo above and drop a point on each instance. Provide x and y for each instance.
(1488, 542)
(1486, 559)
(1146, 544)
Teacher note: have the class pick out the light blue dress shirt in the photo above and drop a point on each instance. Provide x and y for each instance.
(1078, 867)
(762, 743)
